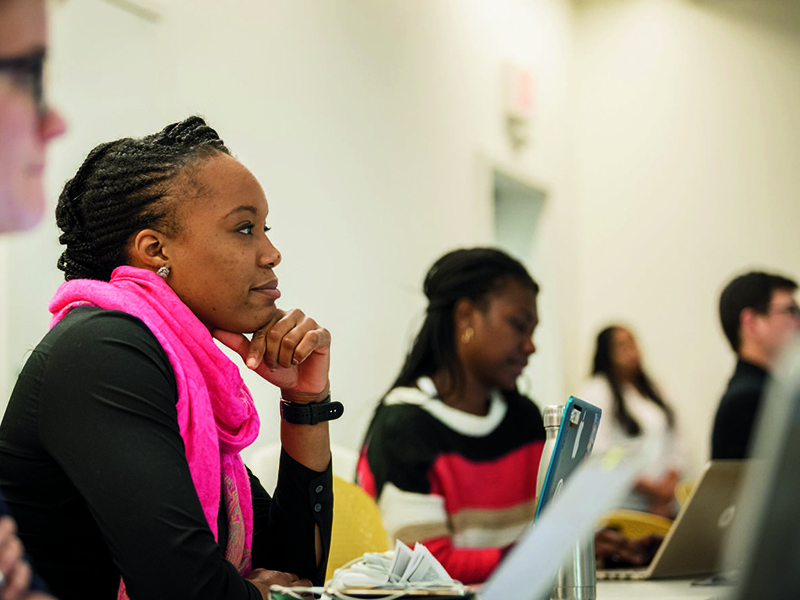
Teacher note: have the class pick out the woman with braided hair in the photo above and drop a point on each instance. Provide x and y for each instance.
(119, 451)
(452, 453)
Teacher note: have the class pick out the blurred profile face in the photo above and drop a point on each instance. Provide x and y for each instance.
(25, 128)
(781, 323)
(503, 337)
(625, 357)
(221, 260)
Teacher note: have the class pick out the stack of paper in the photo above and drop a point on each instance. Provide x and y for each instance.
(403, 568)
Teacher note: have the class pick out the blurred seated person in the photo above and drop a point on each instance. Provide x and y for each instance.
(452, 452)
(759, 316)
(632, 407)
(27, 125)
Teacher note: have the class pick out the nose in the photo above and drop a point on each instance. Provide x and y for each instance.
(51, 125)
(530, 347)
(268, 256)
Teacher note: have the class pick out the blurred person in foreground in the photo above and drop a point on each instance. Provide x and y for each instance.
(26, 126)
(760, 316)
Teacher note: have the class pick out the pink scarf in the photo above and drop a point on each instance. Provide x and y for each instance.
(216, 414)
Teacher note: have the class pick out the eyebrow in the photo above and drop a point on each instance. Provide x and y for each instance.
(243, 208)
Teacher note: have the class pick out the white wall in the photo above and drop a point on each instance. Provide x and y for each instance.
(687, 134)
(366, 122)
(665, 134)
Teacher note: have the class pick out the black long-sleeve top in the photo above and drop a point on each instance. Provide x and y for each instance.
(93, 468)
(737, 412)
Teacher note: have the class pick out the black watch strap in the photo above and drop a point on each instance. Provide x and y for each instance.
(312, 413)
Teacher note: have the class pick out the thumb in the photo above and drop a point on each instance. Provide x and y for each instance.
(235, 341)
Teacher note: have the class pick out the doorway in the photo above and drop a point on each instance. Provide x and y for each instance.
(519, 205)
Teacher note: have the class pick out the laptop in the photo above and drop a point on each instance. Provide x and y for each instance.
(574, 442)
(696, 540)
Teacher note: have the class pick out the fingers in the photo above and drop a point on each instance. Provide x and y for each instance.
(10, 546)
(292, 339)
(17, 582)
(258, 341)
(311, 342)
(611, 544)
(257, 347)
(267, 578)
(284, 342)
(16, 571)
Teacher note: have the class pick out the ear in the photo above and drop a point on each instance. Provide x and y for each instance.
(464, 313)
(147, 250)
(747, 322)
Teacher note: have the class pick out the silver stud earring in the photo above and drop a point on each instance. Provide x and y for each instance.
(163, 272)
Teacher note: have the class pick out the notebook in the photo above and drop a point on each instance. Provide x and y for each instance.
(574, 442)
(695, 541)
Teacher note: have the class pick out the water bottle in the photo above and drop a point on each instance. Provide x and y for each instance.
(552, 421)
(577, 578)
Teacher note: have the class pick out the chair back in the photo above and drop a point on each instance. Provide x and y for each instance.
(357, 525)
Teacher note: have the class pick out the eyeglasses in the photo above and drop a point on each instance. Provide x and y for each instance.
(792, 310)
(27, 72)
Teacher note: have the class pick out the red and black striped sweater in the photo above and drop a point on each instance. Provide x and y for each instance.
(463, 485)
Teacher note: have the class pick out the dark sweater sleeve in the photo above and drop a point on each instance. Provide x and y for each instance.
(108, 417)
(283, 536)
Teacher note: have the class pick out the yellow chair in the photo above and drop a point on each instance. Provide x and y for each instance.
(634, 524)
(357, 525)
(683, 490)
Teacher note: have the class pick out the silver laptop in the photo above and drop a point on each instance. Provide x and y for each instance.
(696, 540)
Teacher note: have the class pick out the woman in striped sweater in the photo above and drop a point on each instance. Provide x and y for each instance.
(452, 452)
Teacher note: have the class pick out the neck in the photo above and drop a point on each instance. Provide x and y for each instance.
(755, 355)
(466, 393)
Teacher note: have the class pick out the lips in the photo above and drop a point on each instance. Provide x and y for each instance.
(519, 366)
(269, 289)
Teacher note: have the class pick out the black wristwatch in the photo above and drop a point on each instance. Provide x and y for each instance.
(312, 413)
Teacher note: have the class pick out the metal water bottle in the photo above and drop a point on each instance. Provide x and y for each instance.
(577, 578)
(552, 420)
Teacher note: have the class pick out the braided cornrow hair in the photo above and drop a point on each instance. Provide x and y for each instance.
(469, 273)
(119, 190)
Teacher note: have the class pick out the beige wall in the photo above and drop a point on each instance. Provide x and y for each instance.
(687, 137)
(665, 134)
(368, 123)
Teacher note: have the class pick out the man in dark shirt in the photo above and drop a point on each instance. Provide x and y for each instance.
(759, 316)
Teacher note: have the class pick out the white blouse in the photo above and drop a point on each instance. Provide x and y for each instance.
(651, 418)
